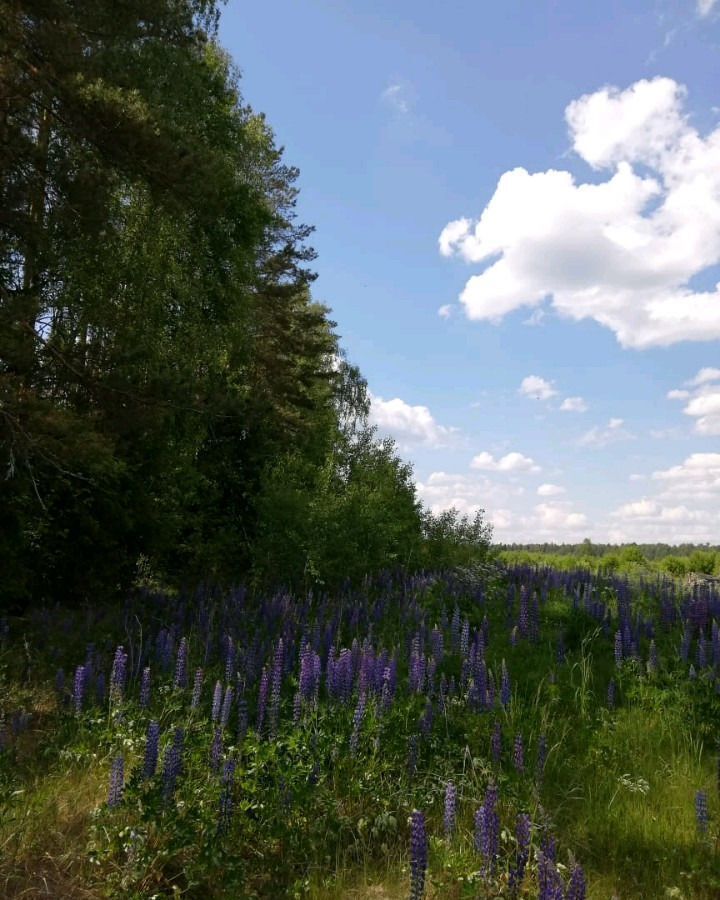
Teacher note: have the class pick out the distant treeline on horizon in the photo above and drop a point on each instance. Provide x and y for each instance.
(588, 548)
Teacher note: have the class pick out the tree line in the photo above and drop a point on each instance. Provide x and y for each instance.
(172, 397)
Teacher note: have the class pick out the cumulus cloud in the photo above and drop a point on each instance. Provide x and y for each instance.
(601, 436)
(409, 424)
(536, 387)
(445, 311)
(550, 490)
(573, 404)
(467, 493)
(698, 474)
(705, 7)
(552, 516)
(511, 462)
(703, 401)
(621, 251)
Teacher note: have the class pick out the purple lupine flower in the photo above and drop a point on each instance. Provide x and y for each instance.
(145, 688)
(79, 686)
(496, 742)
(276, 684)
(226, 797)
(181, 665)
(357, 724)
(297, 707)
(465, 638)
(118, 676)
(618, 648)
(505, 689)
(523, 828)
(226, 707)
(152, 749)
(217, 702)
(229, 657)
(701, 812)
(197, 689)
(427, 718)
(172, 766)
(577, 888)
(611, 694)
(117, 782)
(549, 882)
(450, 808)
(488, 821)
(262, 699)
(216, 750)
(519, 754)
(418, 855)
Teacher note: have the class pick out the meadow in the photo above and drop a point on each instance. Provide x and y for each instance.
(511, 732)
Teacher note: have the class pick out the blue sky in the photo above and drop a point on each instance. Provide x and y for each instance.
(517, 211)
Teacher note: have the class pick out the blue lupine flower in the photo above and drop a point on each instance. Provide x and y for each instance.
(118, 676)
(152, 749)
(117, 781)
(450, 808)
(172, 766)
(357, 724)
(226, 707)
(226, 797)
(519, 754)
(701, 812)
(181, 665)
(197, 689)
(505, 689)
(577, 888)
(217, 702)
(523, 828)
(418, 855)
(79, 688)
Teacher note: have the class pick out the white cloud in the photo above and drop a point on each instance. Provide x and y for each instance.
(446, 310)
(705, 7)
(467, 493)
(409, 424)
(536, 387)
(550, 490)
(704, 400)
(705, 376)
(551, 516)
(535, 318)
(573, 404)
(511, 462)
(621, 251)
(601, 436)
(397, 96)
(698, 474)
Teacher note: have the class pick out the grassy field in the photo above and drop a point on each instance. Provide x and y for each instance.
(235, 746)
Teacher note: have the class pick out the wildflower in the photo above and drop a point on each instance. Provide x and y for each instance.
(226, 707)
(519, 754)
(197, 689)
(277, 671)
(79, 688)
(357, 724)
(418, 855)
(487, 828)
(576, 889)
(181, 665)
(450, 808)
(117, 782)
(217, 702)
(152, 743)
(216, 750)
(118, 676)
(701, 812)
(523, 828)
(618, 648)
(262, 700)
(172, 766)
(505, 690)
(226, 796)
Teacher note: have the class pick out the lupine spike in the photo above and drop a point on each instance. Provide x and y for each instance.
(418, 855)
(117, 782)
(450, 808)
